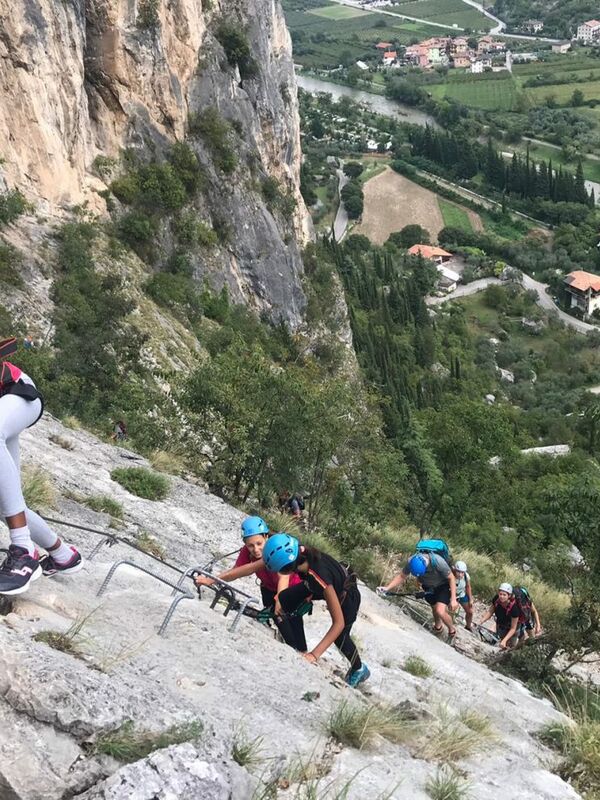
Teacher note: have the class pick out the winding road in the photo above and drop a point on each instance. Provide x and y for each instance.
(543, 299)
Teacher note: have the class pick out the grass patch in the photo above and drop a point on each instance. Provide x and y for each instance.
(127, 744)
(245, 751)
(163, 461)
(72, 422)
(449, 739)
(38, 489)
(71, 640)
(359, 726)
(61, 442)
(150, 545)
(281, 521)
(102, 503)
(477, 722)
(454, 216)
(417, 666)
(447, 784)
(142, 482)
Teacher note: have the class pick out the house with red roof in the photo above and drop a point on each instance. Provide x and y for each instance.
(584, 290)
(431, 252)
(383, 45)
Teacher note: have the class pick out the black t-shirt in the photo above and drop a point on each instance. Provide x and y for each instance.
(324, 572)
(505, 614)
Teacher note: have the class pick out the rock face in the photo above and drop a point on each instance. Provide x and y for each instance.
(241, 686)
(81, 80)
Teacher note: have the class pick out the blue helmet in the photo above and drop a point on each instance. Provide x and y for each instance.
(280, 551)
(417, 566)
(254, 526)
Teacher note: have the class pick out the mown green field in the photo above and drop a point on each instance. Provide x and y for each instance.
(562, 92)
(454, 216)
(445, 12)
(337, 12)
(569, 62)
(490, 95)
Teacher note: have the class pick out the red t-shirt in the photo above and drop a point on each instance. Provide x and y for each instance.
(268, 579)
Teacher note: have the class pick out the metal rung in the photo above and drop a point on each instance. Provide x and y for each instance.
(145, 570)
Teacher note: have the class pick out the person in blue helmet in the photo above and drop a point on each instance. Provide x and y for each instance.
(255, 532)
(439, 584)
(321, 577)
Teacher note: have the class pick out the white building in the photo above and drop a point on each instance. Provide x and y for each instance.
(589, 31)
(584, 288)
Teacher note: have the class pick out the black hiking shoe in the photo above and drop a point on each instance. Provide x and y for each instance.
(18, 570)
(51, 567)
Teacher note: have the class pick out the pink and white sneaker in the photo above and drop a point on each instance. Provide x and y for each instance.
(52, 567)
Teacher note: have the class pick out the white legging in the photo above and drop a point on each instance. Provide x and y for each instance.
(17, 414)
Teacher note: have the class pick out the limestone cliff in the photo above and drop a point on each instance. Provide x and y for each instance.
(81, 79)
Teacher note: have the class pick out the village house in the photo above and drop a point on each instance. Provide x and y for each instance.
(432, 253)
(584, 289)
(533, 25)
(460, 62)
(383, 46)
(487, 44)
(389, 58)
(561, 47)
(416, 55)
(589, 31)
(481, 64)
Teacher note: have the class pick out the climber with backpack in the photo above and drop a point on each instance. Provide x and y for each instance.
(529, 619)
(255, 533)
(21, 406)
(321, 578)
(505, 609)
(431, 566)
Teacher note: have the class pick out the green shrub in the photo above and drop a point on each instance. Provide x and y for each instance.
(190, 231)
(187, 167)
(127, 744)
(137, 229)
(175, 292)
(10, 261)
(217, 134)
(150, 545)
(12, 205)
(237, 49)
(141, 482)
(126, 188)
(147, 16)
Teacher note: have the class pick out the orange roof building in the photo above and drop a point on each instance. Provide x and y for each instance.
(383, 45)
(392, 55)
(584, 289)
(431, 252)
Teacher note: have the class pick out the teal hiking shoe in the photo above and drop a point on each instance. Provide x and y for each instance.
(358, 676)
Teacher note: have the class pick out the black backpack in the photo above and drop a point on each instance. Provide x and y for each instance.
(524, 603)
(299, 499)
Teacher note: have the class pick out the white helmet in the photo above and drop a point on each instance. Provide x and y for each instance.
(505, 587)
(460, 566)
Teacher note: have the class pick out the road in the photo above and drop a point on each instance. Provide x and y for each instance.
(543, 299)
(499, 24)
(340, 223)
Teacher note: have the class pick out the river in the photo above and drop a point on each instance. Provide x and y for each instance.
(378, 103)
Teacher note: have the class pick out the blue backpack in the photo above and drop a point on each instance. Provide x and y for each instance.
(436, 546)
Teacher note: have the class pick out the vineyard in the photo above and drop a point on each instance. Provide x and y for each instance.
(498, 94)
(445, 12)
